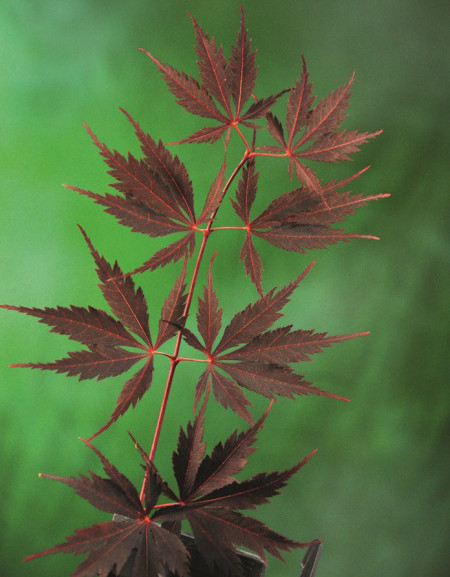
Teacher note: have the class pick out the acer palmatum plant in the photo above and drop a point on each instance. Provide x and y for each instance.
(154, 196)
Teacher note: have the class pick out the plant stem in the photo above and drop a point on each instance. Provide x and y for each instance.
(228, 228)
(175, 359)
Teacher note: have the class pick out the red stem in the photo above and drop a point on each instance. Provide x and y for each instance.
(175, 359)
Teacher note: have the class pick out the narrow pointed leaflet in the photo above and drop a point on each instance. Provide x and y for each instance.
(245, 196)
(173, 310)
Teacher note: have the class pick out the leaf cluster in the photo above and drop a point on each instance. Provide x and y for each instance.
(208, 496)
(253, 354)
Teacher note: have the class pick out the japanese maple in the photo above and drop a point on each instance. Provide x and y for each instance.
(154, 196)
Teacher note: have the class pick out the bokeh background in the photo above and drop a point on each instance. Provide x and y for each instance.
(376, 491)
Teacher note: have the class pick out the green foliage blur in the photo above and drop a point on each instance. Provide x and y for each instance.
(376, 491)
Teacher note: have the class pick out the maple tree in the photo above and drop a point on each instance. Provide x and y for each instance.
(154, 196)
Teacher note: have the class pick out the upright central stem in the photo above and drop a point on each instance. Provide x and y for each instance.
(174, 358)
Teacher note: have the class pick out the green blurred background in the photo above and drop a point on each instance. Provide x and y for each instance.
(376, 491)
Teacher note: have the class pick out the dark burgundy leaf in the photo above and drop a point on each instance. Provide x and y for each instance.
(337, 147)
(234, 529)
(212, 67)
(299, 206)
(215, 495)
(305, 175)
(242, 68)
(89, 326)
(201, 386)
(188, 92)
(209, 134)
(190, 452)
(285, 346)
(228, 394)
(99, 362)
(136, 180)
(226, 461)
(257, 317)
(160, 551)
(104, 494)
(214, 197)
(127, 303)
(299, 103)
(270, 379)
(109, 545)
(192, 340)
(261, 107)
(136, 215)
(301, 238)
(328, 114)
(172, 313)
(220, 556)
(246, 192)
(276, 130)
(118, 479)
(317, 126)
(169, 168)
(134, 389)
(252, 262)
(174, 252)
(209, 316)
(251, 493)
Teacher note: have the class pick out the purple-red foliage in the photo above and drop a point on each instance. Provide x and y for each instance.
(153, 195)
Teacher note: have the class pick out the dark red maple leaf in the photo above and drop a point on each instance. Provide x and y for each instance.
(225, 86)
(256, 358)
(298, 220)
(157, 196)
(114, 344)
(318, 130)
(209, 498)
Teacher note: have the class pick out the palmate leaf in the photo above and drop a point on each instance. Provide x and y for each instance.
(251, 356)
(225, 86)
(210, 500)
(316, 127)
(298, 220)
(115, 345)
(157, 195)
